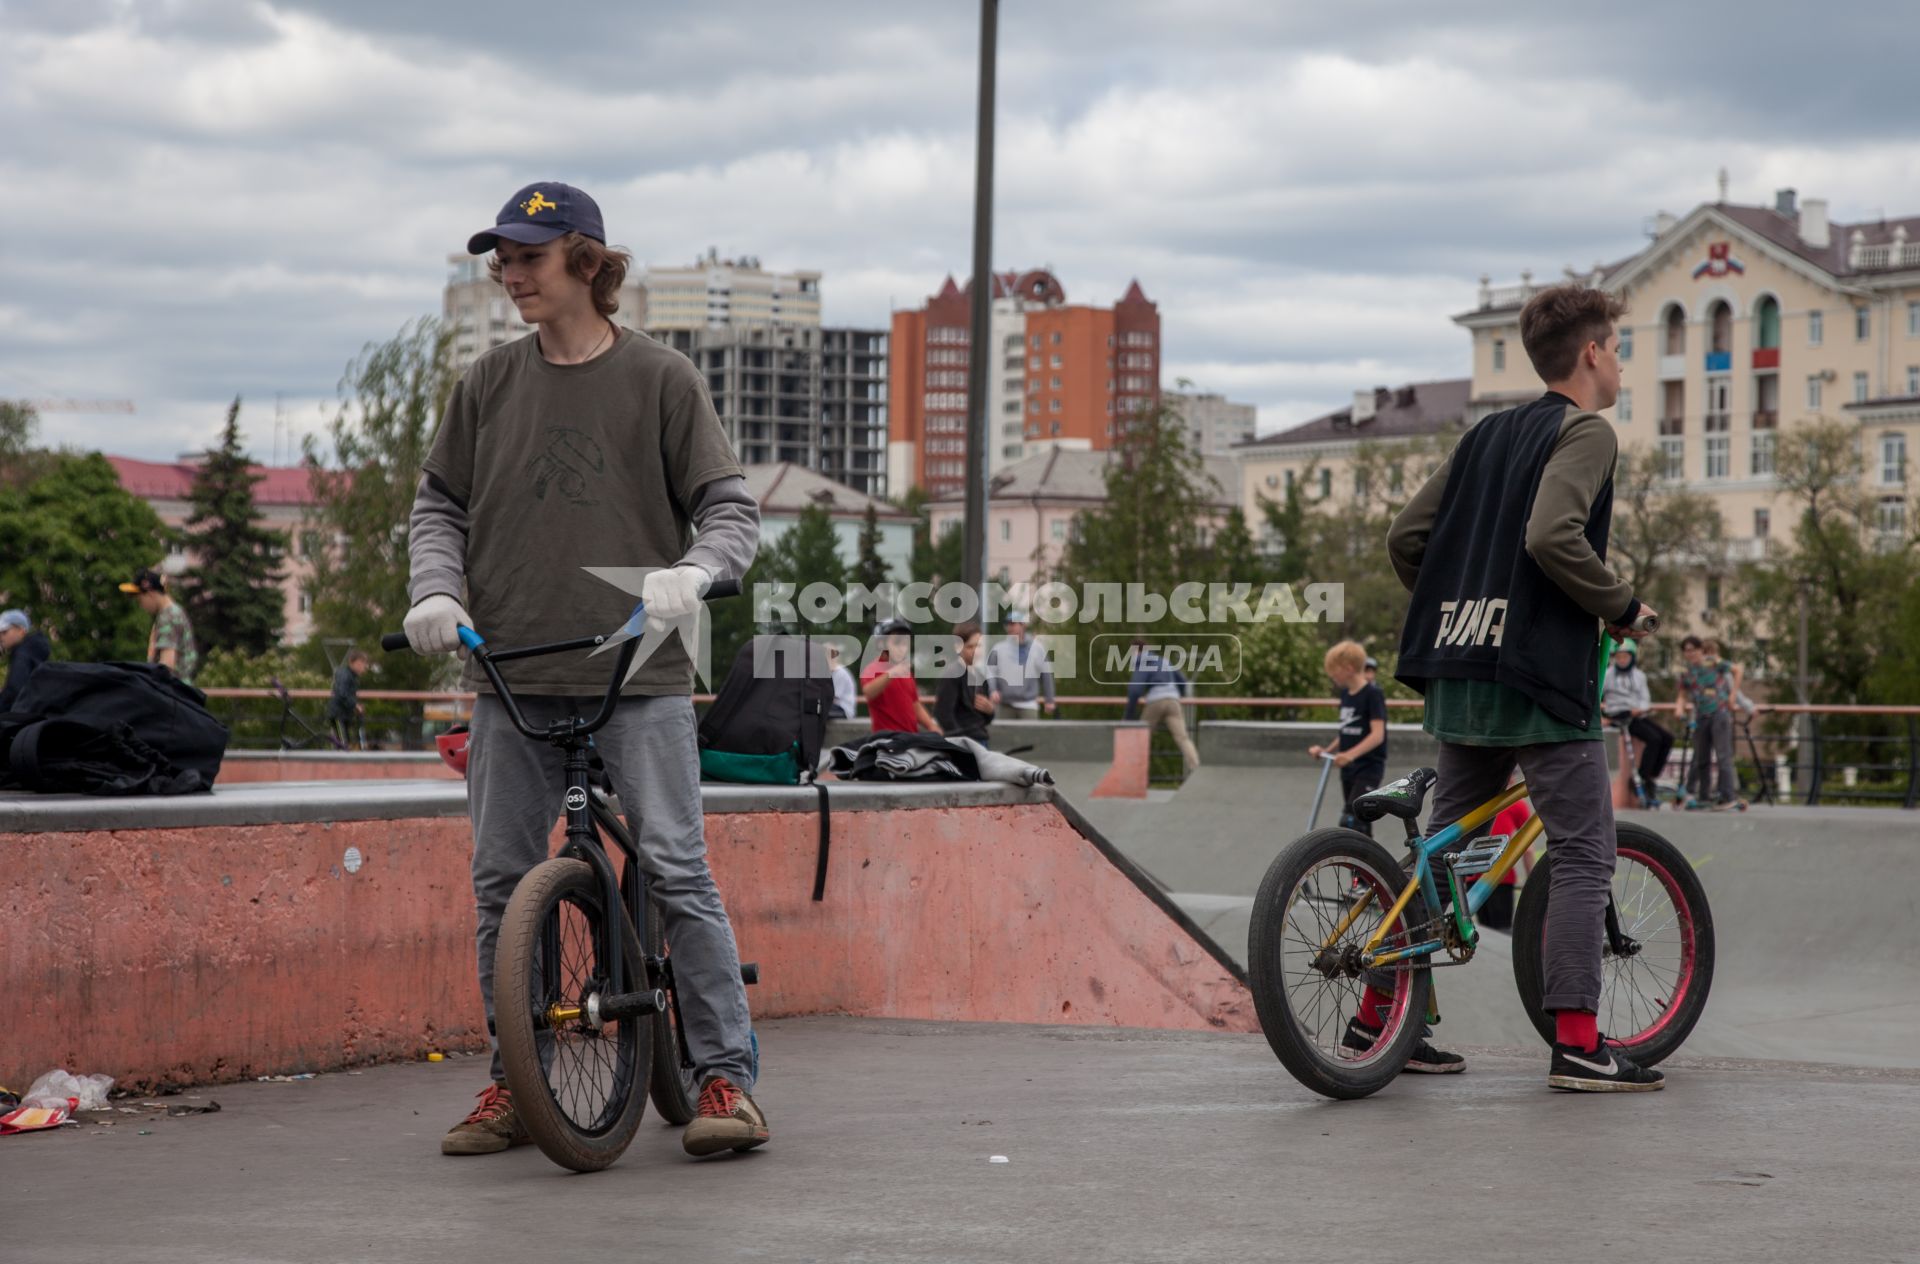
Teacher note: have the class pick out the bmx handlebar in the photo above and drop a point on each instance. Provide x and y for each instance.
(489, 660)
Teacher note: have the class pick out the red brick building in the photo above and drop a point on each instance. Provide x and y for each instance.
(1063, 375)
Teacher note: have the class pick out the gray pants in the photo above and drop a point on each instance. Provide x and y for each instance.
(513, 796)
(1713, 746)
(1571, 790)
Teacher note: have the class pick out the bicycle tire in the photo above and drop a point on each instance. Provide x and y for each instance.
(675, 1094)
(621, 1063)
(1299, 1047)
(1666, 1026)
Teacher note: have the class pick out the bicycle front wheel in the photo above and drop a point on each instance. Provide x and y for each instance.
(1652, 995)
(578, 1088)
(1321, 901)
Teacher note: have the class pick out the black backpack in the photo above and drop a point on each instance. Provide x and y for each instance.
(111, 728)
(769, 721)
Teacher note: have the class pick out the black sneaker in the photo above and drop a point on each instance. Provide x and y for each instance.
(1602, 1070)
(1424, 1060)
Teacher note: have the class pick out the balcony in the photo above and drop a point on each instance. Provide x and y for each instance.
(1673, 367)
(1719, 362)
(1766, 357)
(1766, 419)
(1752, 549)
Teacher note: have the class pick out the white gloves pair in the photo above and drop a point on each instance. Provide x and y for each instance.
(433, 626)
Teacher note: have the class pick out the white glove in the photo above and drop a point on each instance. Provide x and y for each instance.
(433, 626)
(673, 593)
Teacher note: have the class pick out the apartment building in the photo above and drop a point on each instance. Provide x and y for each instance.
(1062, 375)
(712, 293)
(1215, 425)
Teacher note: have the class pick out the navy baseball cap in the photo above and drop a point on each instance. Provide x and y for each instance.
(541, 212)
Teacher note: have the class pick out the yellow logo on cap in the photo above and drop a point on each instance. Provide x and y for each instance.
(537, 203)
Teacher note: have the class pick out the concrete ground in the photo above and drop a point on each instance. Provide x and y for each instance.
(1121, 1145)
(1818, 935)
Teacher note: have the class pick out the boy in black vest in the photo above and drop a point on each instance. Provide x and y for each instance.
(1504, 550)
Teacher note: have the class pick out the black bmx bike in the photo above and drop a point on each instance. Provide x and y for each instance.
(584, 1004)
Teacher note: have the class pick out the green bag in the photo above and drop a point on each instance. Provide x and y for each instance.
(782, 769)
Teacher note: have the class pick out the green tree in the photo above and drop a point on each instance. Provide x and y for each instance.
(869, 567)
(1347, 534)
(1659, 528)
(1286, 528)
(1848, 574)
(233, 593)
(20, 461)
(391, 400)
(73, 535)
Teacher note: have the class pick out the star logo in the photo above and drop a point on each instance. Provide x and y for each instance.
(694, 630)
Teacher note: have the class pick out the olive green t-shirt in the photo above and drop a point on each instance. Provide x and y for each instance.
(567, 466)
(1488, 713)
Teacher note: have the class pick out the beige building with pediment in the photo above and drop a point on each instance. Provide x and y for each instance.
(1742, 321)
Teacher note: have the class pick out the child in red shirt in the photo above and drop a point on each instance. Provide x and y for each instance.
(893, 699)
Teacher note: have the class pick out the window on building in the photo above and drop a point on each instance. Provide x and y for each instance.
(1713, 592)
(1057, 362)
(1913, 379)
(1359, 484)
(1766, 322)
(1054, 382)
(1675, 322)
(1033, 405)
(1326, 482)
(1813, 390)
(1034, 342)
(1289, 481)
(1673, 456)
(1056, 337)
(1626, 343)
(1720, 326)
(1913, 319)
(1892, 516)
(1717, 455)
(1816, 327)
(1763, 441)
(1034, 364)
(1059, 529)
(1624, 407)
(1053, 405)
(306, 602)
(1762, 523)
(1499, 355)
(1006, 528)
(1860, 388)
(1056, 428)
(1862, 323)
(1893, 458)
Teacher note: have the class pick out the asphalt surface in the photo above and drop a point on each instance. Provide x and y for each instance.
(1121, 1146)
(1817, 926)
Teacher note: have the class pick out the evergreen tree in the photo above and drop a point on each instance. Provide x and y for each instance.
(393, 397)
(869, 568)
(233, 593)
(809, 553)
(73, 535)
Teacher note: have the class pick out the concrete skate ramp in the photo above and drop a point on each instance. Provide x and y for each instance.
(1818, 923)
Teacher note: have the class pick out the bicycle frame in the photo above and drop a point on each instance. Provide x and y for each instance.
(1475, 896)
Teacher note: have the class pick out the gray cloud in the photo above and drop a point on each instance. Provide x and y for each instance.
(230, 196)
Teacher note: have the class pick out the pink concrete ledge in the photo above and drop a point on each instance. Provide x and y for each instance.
(222, 950)
(1128, 776)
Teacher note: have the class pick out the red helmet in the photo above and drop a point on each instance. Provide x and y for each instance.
(453, 748)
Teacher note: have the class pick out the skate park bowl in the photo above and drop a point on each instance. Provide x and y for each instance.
(1817, 929)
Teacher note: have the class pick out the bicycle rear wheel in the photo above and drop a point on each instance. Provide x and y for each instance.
(1651, 998)
(672, 1087)
(1305, 978)
(577, 1087)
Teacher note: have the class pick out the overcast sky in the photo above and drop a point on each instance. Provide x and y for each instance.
(211, 197)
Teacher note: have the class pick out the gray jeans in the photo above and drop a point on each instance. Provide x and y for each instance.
(513, 797)
(1569, 787)
(1713, 745)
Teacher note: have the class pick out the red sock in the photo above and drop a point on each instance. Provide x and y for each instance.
(1575, 1027)
(1371, 1003)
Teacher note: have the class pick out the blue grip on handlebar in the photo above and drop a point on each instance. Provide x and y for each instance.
(471, 639)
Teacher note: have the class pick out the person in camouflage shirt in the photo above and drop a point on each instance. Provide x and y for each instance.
(171, 642)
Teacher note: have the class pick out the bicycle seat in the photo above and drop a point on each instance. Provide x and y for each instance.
(1405, 798)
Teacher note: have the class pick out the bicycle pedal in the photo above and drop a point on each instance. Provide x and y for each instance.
(1478, 856)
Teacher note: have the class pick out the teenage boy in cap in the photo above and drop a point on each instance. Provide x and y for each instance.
(1504, 550)
(26, 650)
(170, 643)
(584, 444)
